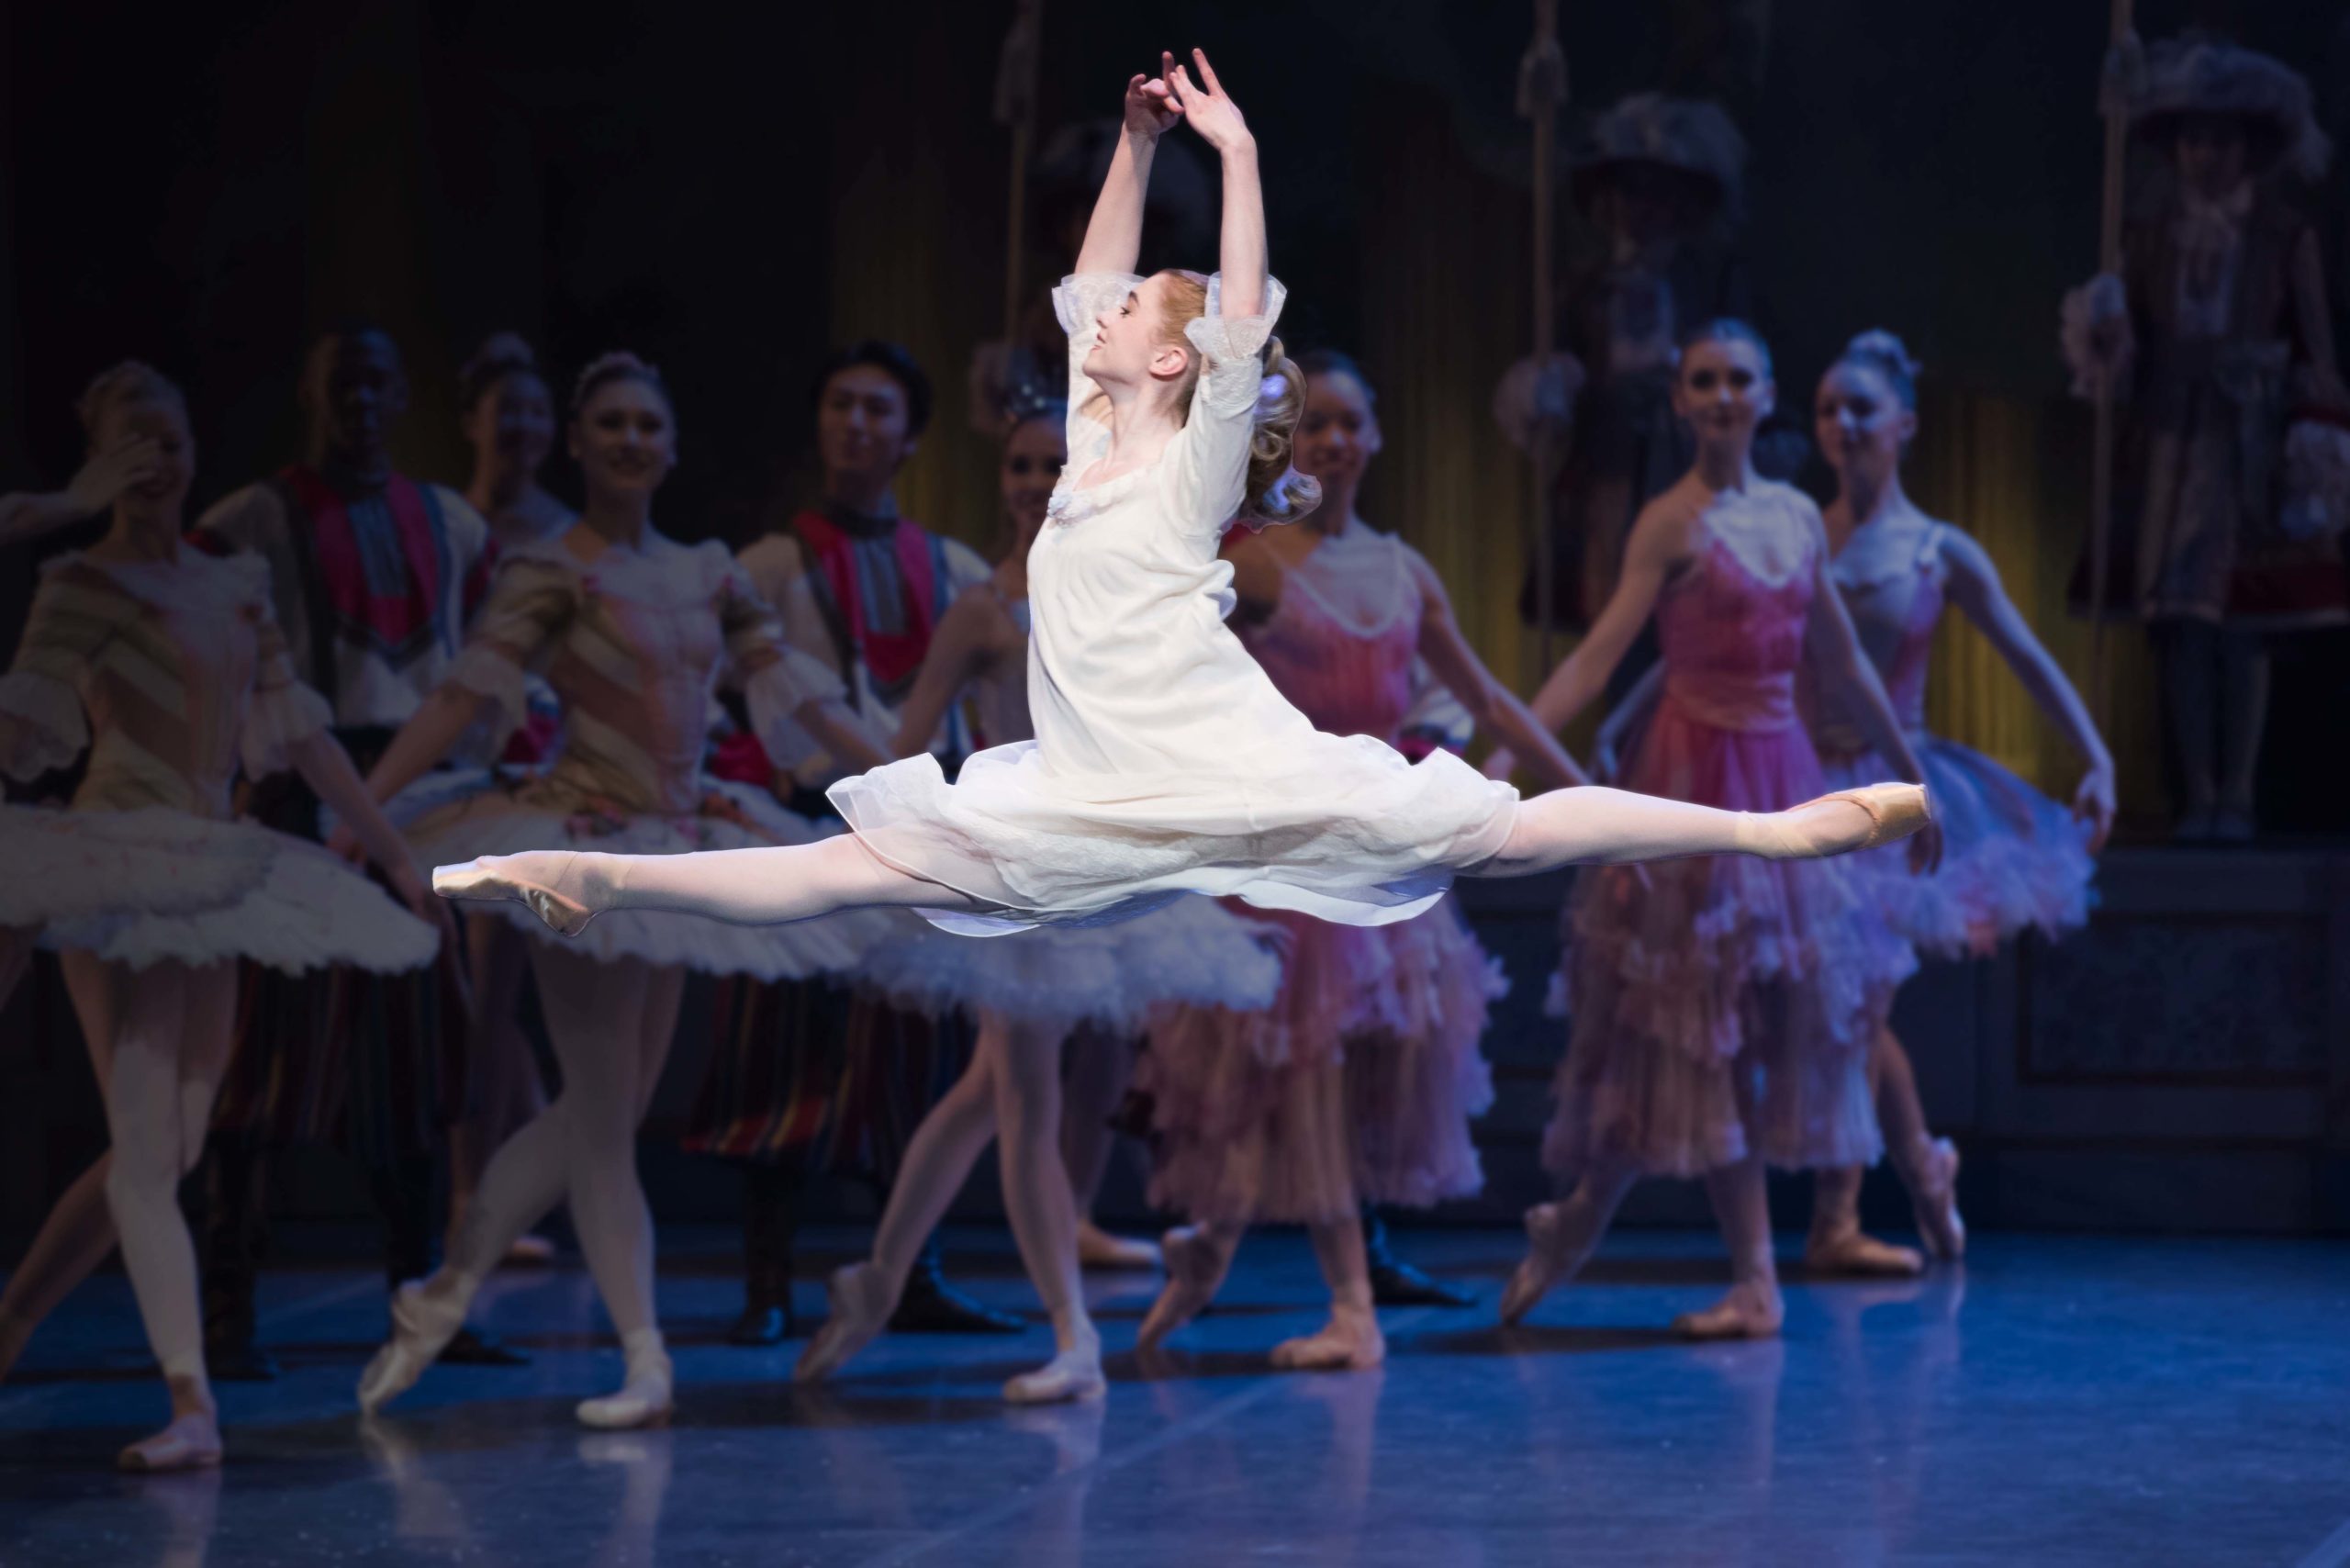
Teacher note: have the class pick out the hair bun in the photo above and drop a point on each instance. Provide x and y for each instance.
(1883, 346)
(501, 355)
(127, 381)
(618, 365)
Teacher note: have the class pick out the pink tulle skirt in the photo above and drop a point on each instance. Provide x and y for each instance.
(1356, 1086)
(1721, 1005)
(2012, 858)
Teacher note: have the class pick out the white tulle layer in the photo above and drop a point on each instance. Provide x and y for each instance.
(494, 819)
(1192, 951)
(57, 865)
(302, 910)
(1345, 829)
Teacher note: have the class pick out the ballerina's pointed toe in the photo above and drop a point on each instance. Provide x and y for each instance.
(1895, 810)
(484, 878)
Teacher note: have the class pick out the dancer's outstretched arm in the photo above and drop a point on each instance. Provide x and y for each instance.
(1491, 706)
(1113, 235)
(1976, 589)
(1241, 253)
(1650, 558)
(105, 475)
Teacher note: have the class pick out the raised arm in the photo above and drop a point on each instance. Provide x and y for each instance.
(1491, 706)
(105, 475)
(1976, 589)
(1649, 559)
(1113, 234)
(1241, 253)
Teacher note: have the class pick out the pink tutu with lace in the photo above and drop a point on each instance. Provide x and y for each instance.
(1724, 1006)
(1356, 1086)
(1358, 1082)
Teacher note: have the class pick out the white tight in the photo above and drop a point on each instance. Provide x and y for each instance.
(611, 1025)
(1011, 1092)
(772, 886)
(159, 1039)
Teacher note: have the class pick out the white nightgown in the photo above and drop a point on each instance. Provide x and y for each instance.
(1165, 761)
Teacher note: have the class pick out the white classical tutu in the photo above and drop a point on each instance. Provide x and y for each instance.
(501, 818)
(59, 865)
(303, 909)
(1193, 951)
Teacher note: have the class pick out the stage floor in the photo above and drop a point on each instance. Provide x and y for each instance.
(2061, 1401)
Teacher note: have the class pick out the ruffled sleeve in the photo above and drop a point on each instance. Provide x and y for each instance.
(777, 679)
(280, 710)
(1207, 463)
(1082, 297)
(532, 596)
(72, 615)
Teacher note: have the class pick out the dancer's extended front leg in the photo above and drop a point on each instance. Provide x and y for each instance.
(1601, 826)
(767, 886)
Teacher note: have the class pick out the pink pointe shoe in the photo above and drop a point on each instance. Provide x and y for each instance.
(522, 879)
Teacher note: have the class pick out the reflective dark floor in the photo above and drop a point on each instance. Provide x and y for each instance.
(2063, 1401)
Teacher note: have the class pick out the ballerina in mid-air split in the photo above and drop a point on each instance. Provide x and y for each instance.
(1165, 761)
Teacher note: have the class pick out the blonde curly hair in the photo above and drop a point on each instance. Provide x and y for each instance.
(1275, 491)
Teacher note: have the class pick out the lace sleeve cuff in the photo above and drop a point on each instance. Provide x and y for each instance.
(487, 672)
(275, 722)
(1083, 295)
(49, 730)
(1232, 345)
(774, 694)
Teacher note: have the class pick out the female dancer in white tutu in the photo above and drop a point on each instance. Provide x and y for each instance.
(1028, 997)
(630, 628)
(168, 668)
(1165, 761)
(1357, 1084)
(2012, 858)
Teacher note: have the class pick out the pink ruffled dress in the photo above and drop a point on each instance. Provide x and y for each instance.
(1725, 1005)
(1358, 1082)
(2012, 858)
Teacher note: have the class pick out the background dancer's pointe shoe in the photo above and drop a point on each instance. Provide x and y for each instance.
(1073, 1374)
(1350, 1341)
(646, 1394)
(1848, 821)
(1934, 1201)
(1751, 1311)
(190, 1443)
(527, 878)
(1854, 1253)
(1557, 1248)
(1097, 1249)
(422, 1325)
(1195, 1268)
(859, 1309)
